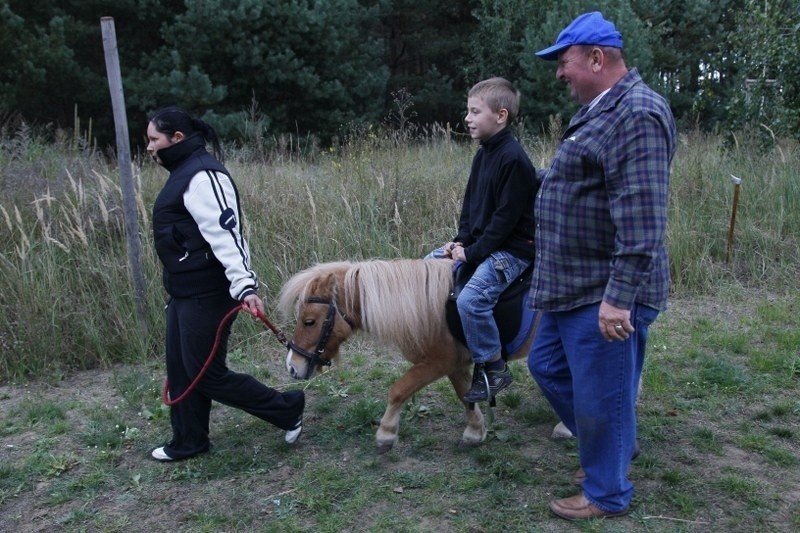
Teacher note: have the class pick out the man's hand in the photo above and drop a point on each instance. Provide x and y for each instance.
(615, 323)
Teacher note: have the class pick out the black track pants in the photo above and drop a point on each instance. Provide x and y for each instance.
(191, 330)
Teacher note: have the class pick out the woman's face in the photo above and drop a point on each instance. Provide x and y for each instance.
(158, 141)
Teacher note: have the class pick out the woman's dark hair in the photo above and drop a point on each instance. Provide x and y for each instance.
(168, 120)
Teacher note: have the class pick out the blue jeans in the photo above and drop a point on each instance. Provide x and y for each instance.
(592, 384)
(478, 298)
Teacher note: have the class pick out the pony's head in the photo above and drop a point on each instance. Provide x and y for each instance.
(400, 302)
(321, 326)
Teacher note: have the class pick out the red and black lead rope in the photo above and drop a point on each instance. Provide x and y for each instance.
(210, 359)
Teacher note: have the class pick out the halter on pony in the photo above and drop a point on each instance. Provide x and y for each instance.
(316, 358)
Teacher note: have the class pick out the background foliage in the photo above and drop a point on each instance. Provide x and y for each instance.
(266, 69)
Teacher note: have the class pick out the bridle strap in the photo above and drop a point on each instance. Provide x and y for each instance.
(332, 303)
(316, 358)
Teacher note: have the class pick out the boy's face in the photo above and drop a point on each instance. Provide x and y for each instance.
(481, 121)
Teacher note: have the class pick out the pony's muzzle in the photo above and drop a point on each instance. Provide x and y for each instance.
(289, 366)
(293, 370)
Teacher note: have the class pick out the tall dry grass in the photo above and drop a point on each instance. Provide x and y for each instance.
(64, 274)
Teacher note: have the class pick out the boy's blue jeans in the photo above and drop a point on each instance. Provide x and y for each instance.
(478, 298)
(592, 385)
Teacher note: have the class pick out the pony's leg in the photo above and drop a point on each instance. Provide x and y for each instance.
(475, 432)
(416, 378)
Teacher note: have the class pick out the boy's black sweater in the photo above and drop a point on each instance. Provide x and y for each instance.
(497, 212)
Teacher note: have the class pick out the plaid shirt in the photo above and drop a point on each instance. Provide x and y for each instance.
(601, 211)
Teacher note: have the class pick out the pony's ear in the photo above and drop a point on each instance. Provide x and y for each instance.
(329, 283)
(324, 285)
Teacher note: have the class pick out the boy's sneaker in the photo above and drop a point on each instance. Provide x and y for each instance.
(487, 383)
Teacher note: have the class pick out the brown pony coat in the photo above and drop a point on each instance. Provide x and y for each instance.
(399, 302)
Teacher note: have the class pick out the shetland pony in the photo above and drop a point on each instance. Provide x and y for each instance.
(399, 302)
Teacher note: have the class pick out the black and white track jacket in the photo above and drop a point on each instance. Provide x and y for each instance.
(197, 226)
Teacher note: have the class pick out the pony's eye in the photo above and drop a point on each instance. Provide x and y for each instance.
(309, 322)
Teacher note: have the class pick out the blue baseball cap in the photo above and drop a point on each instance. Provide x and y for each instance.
(589, 28)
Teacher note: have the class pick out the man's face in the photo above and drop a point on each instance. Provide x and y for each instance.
(575, 69)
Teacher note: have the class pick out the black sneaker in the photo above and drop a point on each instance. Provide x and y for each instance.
(487, 383)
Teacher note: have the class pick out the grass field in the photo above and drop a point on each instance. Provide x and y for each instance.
(719, 428)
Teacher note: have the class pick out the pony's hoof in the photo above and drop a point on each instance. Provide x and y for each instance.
(468, 444)
(384, 447)
(560, 432)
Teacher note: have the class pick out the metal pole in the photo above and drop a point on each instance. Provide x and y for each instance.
(125, 167)
(736, 185)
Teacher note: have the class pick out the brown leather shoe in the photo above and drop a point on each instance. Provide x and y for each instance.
(579, 508)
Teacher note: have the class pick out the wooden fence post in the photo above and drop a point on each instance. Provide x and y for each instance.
(125, 168)
(736, 185)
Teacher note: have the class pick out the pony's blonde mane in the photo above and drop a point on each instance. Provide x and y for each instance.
(402, 301)
(295, 290)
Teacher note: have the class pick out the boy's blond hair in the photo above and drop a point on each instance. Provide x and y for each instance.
(498, 93)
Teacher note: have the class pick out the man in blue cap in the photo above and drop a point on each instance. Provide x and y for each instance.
(601, 272)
